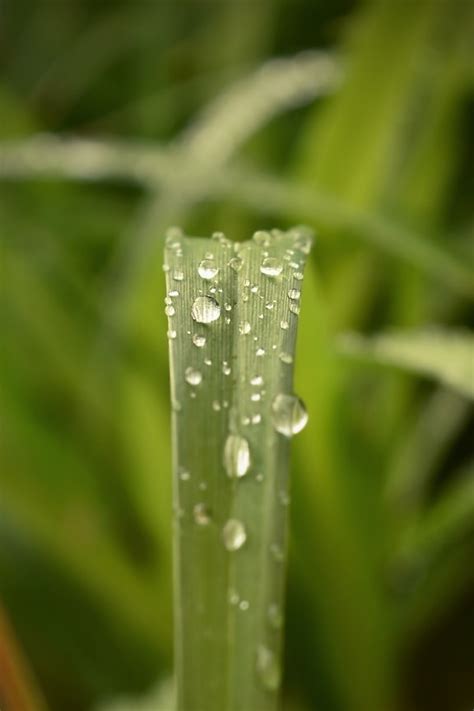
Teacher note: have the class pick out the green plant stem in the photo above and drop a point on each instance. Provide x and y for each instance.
(228, 603)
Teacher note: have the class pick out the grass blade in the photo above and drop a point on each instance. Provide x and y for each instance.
(231, 465)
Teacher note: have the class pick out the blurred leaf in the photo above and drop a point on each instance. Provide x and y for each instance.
(443, 355)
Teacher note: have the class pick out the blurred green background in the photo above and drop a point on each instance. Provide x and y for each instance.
(380, 613)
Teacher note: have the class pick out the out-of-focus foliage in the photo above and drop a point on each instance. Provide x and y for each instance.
(381, 587)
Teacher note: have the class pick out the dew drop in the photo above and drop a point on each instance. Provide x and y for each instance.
(294, 308)
(169, 311)
(199, 341)
(205, 309)
(183, 474)
(254, 288)
(234, 534)
(226, 369)
(173, 292)
(207, 269)
(216, 406)
(202, 514)
(286, 358)
(255, 397)
(294, 294)
(244, 328)
(271, 266)
(236, 456)
(261, 237)
(284, 325)
(178, 275)
(260, 352)
(192, 376)
(256, 419)
(256, 380)
(289, 414)
(298, 276)
(234, 597)
(236, 264)
(268, 668)
(244, 605)
(171, 334)
(275, 616)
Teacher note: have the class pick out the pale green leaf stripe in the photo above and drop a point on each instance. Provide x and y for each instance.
(228, 603)
(447, 356)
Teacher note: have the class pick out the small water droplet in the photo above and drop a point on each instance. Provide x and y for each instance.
(259, 477)
(262, 237)
(207, 361)
(254, 288)
(234, 534)
(286, 358)
(271, 266)
(216, 406)
(269, 305)
(166, 267)
(294, 294)
(289, 414)
(171, 334)
(199, 341)
(236, 264)
(226, 369)
(284, 325)
(192, 376)
(168, 300)
(260, 352)
(256, 419)
(234, 596)
(173, 293)
(256, 380)
(294, 308)
(268, 668)
(255, 397)
(183, 474)
(244, 327)
(205, 309)
(244, 605)
(228, 307)
(178, 275)
(169, 311)
(277, 553)
(207, 269)
(275, 616)
(298, 276)
(236, 456)
(202, 514)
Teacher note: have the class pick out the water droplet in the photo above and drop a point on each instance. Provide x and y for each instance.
(244, 605)
(254, 288)
(260, 352)
(173, 293)
(173, 233)
(234, 534)
(268, 668)
(275, 616)
(294, 294)
(202, 514)
(286, 358)
(192, 376)
(178, 275)
(298, 275)
(236, 456)
(271, 266)
(169, 311)
(207, 361)
(207, 269)
(289, 414)
(228, 307)
(277, 553)
(226, 369)
(294, 308)
(166, 267)
(171, 334)
(269, 305)
(256, 380)
(255, 397)
(183, 474)
(234, 596)
(262, 237)
(216, 406)
(256, 419)
(284, 325)
(236, 264)
(244, 327)
(205, 309)
(199, 341)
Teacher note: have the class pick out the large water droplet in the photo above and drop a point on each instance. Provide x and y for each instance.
(199, 341)
(236, 456)
(207, 269)
(205, 309)
(234, 534)
(192, 376)
(268, 668)
(289, 414)
(202, 514)
(271, 266)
